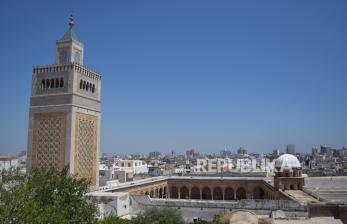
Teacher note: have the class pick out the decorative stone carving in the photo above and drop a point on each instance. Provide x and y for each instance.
(85, 154)
(49, 134)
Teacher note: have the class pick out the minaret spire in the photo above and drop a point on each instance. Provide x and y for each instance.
(71, 22)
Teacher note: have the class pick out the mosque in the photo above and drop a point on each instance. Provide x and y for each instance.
(277, 199)
(64, 130)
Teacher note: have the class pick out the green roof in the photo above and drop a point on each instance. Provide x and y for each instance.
(70, 35)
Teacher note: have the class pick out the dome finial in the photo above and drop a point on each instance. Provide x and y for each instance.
(71, 22)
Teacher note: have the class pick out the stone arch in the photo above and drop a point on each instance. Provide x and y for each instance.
(184, 192)
(240, 193)
(174, 192)
(93, 88)
(47, 83)
(229, 194)
(195, 193)
(52, 83)
(217, 193)
(84, 85)
(43, 84)
(87, 86)
(61, 82)
(81, 84)
(292, 187)
(160, 192)
(206, 193)
(258, 193)
(57, 83)
(146, 193)
(164, 193)
(157, 193)
(151, 194)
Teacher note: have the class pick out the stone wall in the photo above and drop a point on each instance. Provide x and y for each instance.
(242, 204)
(338, 211)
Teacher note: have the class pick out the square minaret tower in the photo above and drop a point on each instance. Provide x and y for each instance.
(64, 117)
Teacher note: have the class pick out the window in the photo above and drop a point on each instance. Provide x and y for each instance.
(63, 57)
(77, 57)
(61, 82)
(57, 84)
(129, 164)
(87, 86)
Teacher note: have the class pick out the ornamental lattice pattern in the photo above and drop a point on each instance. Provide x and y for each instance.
(85, 158)
(49, 134)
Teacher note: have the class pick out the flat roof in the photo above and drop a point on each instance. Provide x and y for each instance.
(333, 189)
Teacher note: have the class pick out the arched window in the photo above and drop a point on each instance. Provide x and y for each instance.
(258, 193)
(81, 84)
(184, 193)
(52, 83)
(164, 193)
(93, 88)
(174, 192)
(206, 193)
(47, 83)
(160, 193)
(57, 84)
(217, 193)
(43, 84)
(240, 193)
(87, 86)
(61, 82)
(84, 85)
(229, 194)
(195, 193)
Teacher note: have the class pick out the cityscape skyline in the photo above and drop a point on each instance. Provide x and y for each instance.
(185, 75)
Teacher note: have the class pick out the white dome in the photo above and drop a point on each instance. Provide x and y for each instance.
(287, 161)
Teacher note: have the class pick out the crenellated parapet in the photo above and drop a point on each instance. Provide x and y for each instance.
(67, 67)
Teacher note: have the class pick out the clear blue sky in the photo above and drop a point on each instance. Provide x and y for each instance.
(190, 74)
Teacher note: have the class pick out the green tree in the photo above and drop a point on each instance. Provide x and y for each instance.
(158, 216)
(45, 196)
(113, 220)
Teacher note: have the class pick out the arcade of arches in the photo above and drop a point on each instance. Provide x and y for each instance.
(207, 189)
(214, 190)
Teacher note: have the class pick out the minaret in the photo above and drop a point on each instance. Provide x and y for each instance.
(64, 116)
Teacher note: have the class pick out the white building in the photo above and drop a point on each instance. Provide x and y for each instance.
(214, 165)
(134, 166)
(223, 165)
(111, 203)
(246, 164)
(7, 162)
